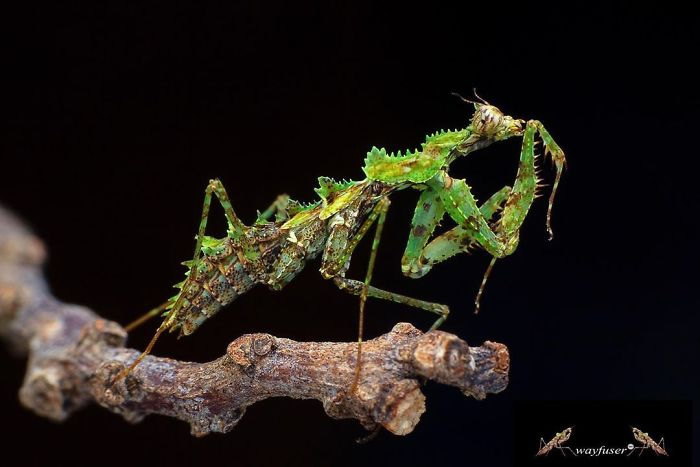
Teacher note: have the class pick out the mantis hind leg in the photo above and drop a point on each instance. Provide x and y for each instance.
(562, 448)
(147, 316)
(147, 350)
(663, 446)
(236, 230)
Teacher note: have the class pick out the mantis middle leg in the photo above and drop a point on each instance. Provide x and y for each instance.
(338, 265)
(336, 258)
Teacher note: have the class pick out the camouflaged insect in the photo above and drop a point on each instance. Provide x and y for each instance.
(274, 249)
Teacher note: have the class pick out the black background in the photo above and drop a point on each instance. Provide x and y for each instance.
(115, 118)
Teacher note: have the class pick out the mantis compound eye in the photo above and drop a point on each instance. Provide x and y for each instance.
(487, 120)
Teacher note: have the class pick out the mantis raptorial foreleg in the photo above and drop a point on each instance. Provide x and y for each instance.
(526, 182)
(454, 197)
(460, 204)
(419, 258)
(457, 240)
(553, 149)
(473, 224)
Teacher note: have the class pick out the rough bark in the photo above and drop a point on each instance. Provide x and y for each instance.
(74, 355)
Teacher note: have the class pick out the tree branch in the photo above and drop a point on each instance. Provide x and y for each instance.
(74, 356)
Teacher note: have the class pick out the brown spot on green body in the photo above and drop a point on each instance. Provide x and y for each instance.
(419, 230)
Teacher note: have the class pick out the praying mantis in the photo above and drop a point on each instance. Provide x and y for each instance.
(647, 443)
(557, 442)
(289, 234)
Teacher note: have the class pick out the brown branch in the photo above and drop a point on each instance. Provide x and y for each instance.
(74, 356)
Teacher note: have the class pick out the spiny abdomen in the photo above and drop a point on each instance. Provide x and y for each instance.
(220, 277)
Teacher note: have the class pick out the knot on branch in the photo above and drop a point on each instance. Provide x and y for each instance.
(55, 384)
(400, 406)
(44, 391)
(442, 357)
(100, 332)
(115, 396)
(491, 370)
(247, 350)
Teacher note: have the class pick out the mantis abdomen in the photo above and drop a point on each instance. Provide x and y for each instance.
(214, 282)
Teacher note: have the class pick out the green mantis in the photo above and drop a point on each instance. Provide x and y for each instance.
(441, 194)
(289, 234)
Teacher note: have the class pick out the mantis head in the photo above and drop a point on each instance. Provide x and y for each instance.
(638, 434)
(490, 122)
(565, 435)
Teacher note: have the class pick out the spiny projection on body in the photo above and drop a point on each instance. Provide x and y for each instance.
(287, 235)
